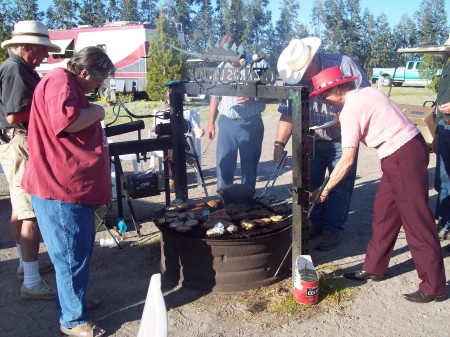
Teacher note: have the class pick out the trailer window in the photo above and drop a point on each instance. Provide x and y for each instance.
(66, 49)
(410, 65)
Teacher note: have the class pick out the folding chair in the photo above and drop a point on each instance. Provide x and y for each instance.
(101, 218)
(120, 183)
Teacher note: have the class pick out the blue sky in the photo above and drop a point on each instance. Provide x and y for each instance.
(394, 9)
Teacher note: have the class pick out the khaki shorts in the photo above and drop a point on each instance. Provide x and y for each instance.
(13, 158)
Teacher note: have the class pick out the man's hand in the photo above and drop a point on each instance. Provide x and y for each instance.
(318, 199)
(277, 152)
(243, 100)
(211, 131)
(445, 108)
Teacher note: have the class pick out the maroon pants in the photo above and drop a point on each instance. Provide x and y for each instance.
(402, 199)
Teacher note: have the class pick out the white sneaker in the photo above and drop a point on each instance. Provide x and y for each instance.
(41, 291)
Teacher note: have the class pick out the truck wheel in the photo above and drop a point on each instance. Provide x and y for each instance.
(387, 81)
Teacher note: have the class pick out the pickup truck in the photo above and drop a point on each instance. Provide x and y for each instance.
(408, 75)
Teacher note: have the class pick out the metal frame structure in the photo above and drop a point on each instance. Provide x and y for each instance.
(301, 147)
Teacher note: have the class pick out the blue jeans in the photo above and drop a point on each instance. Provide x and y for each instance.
(245, 136)
(441, 177)
(332, 214)
(68, 231)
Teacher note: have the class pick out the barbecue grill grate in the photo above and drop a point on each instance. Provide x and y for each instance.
(199, 233)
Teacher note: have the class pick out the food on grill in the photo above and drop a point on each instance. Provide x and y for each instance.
(214, 219)
(248, 224)
(167, 219)
(262, 222)
(282, 208)
(214, 203)
(276, 218)
(177, 205)
(220, 214)
(175, 224)
(258, 214)
(200, 205)
(237, 208)
(216, 231)
(183, 228)
(171, 214)
(208, 224)
(191, 222)
(232, 229)
(198, 214)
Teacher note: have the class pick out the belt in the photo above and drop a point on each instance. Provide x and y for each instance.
(6, 134)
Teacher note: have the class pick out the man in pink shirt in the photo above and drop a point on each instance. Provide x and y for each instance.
(68, 174)
(368, 116)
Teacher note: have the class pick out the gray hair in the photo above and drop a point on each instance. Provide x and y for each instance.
(94, 60)
(16, 49)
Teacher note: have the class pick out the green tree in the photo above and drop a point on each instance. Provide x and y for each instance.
(129, 11)
(202, 32)
(318, 20)
(366, 41)
(6, 27)
(149, 10)
(26, 10)
(237, 16)
(164, 63)
(62, 15)
(92, 12)
(287, 27)
(257, 26)
(334, 19)
(112, 11)
(431, 21)
(405, 33)
(180, 11)
(224, 18)
(382, 52)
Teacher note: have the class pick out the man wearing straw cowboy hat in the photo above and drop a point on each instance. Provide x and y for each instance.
(368, 116)
(298, 62)
(27, 48)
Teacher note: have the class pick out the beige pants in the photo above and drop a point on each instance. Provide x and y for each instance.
(13, 158)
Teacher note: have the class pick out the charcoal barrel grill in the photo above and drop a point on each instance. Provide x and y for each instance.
(236, 262)
(249, 261)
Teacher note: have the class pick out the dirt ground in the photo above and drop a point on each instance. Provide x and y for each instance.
(120, 277)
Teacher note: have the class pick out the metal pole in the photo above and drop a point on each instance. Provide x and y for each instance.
(178, 144)
(300, 176)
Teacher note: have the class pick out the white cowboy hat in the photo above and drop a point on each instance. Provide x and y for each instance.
(31, 32)
(296, 57)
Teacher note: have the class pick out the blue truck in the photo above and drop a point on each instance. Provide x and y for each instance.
(407, 75)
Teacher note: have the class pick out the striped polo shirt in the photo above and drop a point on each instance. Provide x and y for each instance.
(319, 112)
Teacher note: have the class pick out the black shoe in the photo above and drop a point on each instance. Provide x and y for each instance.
(421, 297)
(315, 232)
(362, 276)
(328, 242)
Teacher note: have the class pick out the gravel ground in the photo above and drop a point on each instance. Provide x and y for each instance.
(120, 277)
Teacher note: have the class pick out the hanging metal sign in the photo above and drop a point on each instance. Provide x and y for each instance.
(235, 75)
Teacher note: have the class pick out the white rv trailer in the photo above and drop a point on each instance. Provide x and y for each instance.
(126, 44)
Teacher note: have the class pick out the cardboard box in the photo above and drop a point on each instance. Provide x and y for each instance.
(422, 117)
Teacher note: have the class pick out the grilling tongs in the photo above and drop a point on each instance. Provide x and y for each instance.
(274, 174)
(317, 198)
